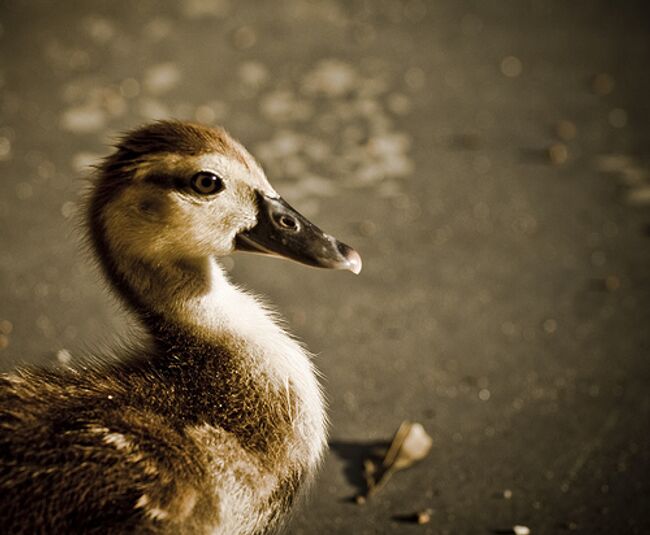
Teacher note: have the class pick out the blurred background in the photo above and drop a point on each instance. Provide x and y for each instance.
(489, 159)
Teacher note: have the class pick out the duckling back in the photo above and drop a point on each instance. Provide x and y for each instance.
(155, 444)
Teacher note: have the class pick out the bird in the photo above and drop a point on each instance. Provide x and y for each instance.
(214, 420)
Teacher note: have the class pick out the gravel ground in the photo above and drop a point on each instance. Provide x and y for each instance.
(488, 159)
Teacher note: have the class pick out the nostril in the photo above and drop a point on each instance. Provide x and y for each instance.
(287, 222)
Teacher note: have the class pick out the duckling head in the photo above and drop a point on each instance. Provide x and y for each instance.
(179, 192)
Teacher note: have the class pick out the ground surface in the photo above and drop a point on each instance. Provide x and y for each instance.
(488, 159)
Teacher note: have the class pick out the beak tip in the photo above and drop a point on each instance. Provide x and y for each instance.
(354, 263)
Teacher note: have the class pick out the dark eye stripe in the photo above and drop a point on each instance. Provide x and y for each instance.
(203, 182)
(164, 181)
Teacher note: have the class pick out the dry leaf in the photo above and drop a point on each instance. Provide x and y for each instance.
(410, 444)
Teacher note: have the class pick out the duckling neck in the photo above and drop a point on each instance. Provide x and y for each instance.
(233, 348)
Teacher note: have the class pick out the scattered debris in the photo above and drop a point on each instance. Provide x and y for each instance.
(152, 109)
(633, 175)
(99, 29)
(161, 78)
(410, 444)
(6, 327)
(366, 228)
(550, 325)
(63, 357)
(83, 119)
(244, 38)
(203, 9)
(283, 106)
(399, 104)
(517, 529)
(612, 163)
(5, 148)
(558, 153)
(638, 196)
(424, 517)
(68, 209)
(484, 394)
(253, 74)
(331, 77)
(420, 517)
(617, 118)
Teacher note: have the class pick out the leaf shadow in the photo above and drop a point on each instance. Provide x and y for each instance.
(353, 454)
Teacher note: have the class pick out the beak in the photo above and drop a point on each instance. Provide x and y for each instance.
(282, 231)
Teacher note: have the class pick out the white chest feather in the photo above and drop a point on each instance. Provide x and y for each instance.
(239, 320)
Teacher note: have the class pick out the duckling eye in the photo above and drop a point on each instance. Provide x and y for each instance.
(206, 183)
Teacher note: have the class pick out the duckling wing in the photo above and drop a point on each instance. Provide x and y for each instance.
(73, 460)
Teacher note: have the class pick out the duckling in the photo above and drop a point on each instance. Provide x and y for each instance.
(215, 421)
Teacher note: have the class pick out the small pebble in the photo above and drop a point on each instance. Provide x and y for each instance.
(550, 325)
(360, 499)
(162, 78)
(68, 209)
(613, 163)
(6, 327)
(638, 196)
(399, 104)
(521, 530)
(5, 148)
(633, 176)
(558, 153)
(617, 118)
(424, 517)
(63, 356)
(367, 228)
(468, 140)
(507, 494)
(421, 517)
(244, 37)
(83, 119)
